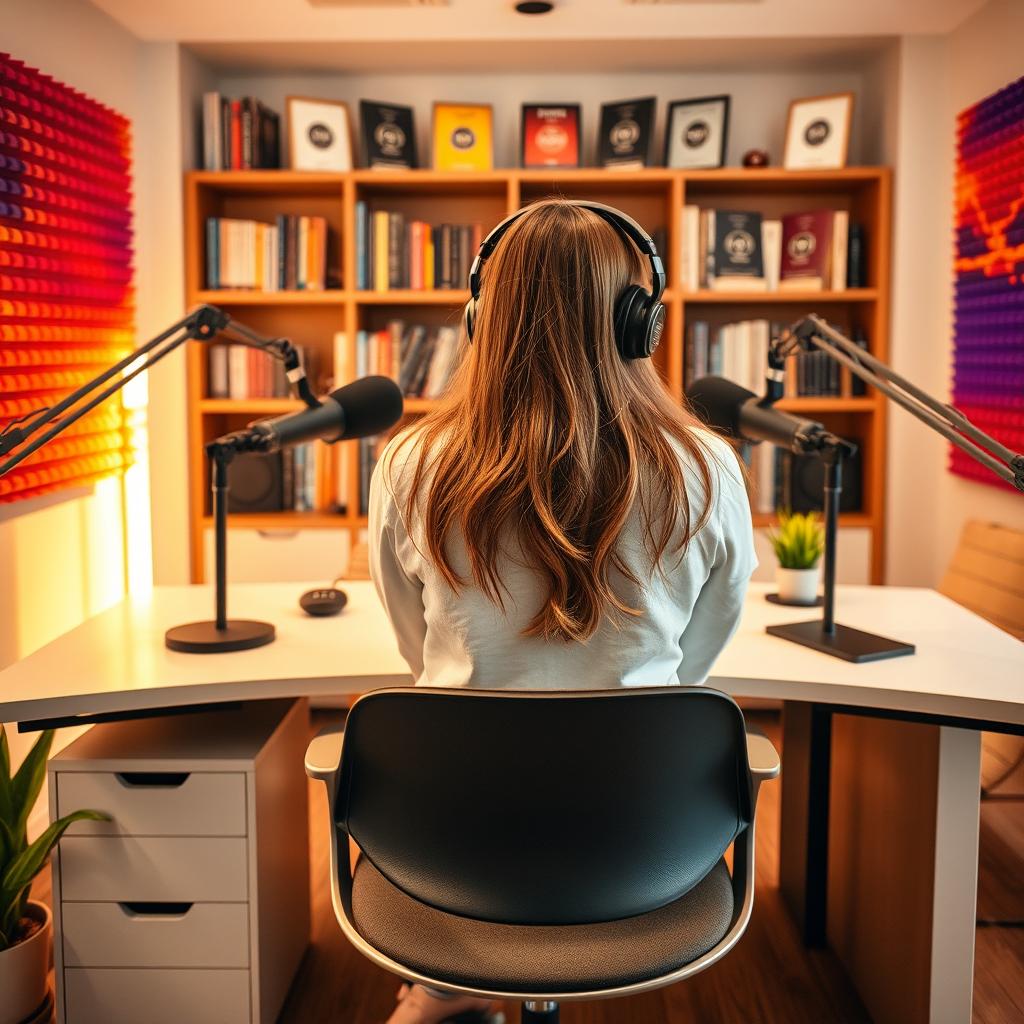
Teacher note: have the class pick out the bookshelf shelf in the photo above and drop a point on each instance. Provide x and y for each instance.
(655, 196)
(781, 297)
(413, 297)
(246, 297)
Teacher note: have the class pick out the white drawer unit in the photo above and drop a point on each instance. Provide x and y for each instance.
(281, 555)
(192, 902)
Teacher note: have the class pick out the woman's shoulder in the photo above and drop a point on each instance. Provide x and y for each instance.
(396, 466)
(720, 457)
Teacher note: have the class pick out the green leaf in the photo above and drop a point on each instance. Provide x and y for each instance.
(8, 845)
(30, 861)
(28, 780)
(6, 798)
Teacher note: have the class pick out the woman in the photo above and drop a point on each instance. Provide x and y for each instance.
(559, 522)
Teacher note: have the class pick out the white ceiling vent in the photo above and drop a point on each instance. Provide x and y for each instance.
(378, 3)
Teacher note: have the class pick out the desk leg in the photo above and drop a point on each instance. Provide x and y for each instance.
(803, 845)
(903, 860)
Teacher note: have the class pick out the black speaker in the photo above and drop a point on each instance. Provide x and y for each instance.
(256, 483)
(803, 484)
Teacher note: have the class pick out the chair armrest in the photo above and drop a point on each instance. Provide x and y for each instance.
(762, 756)
(323, 755)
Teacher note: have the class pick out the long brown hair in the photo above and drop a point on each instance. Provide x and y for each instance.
(548, 437)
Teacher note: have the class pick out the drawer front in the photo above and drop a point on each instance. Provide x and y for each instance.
(281, 556)
(153, 868)
(97, 996)
(157, 803)
(155, 935)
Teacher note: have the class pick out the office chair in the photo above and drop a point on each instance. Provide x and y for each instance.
(543, 847)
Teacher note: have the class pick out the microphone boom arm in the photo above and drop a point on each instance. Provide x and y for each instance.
(945, 419)
(203, 324)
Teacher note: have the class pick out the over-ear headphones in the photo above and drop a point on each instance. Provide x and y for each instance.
(639, 314)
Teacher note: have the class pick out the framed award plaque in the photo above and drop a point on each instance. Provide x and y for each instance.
(696, 132)
(463, 139)
(388, 135)
(625, 135)
(319, 135)
(551, 135)
(818, 132)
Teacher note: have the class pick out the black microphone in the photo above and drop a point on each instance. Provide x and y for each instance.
(726, 406)
(365, 407)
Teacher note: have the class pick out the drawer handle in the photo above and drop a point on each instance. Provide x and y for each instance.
(278, 534)
(170, 780)
(175, 910)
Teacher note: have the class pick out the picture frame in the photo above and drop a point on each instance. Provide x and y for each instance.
(626, 128)
(319, 134)
(697, 132)
(550, 135)
(463, 137)
(387, 133)
(818, 132)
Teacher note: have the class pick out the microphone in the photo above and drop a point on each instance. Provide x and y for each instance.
(726, 406)
(365, 407)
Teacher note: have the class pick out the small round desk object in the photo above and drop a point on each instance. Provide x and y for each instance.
(323, 602)
(755, 158)
(775, 599)
(535, 7)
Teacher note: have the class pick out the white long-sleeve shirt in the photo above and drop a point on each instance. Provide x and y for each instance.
(688, 614)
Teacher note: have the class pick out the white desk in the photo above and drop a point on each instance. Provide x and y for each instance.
(965, 669)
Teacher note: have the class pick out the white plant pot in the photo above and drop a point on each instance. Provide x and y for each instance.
(797, 586)
(24, 970)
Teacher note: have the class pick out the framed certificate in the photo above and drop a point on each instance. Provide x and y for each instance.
(696, 132)
(818, 132)
(626, 128)
(551, 135)
(319, 135)
(463, 137)
(388, 135)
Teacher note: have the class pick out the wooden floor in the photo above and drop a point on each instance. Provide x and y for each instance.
(768, 979)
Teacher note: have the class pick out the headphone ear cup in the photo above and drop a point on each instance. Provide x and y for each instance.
(631, 334)
(469, 318)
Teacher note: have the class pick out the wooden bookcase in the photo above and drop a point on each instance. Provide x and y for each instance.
(655, 197)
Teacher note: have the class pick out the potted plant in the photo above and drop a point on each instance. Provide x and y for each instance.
(798, 543)
(25, 926)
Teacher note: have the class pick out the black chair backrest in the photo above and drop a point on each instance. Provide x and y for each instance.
(544, 808)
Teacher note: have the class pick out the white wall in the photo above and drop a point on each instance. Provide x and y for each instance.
(935, 78)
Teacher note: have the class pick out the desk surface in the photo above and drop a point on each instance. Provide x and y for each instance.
(116, 661)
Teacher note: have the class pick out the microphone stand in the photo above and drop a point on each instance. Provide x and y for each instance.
(202, 324)
(827, 635)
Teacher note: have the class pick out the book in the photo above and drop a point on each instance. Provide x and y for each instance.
(840, 238)
(239, 134)
(771, 252)
(856, 258)
(735, 261)
(387, 133)
(624, 139)
(806, 249)
(463, 139)
(691, 249)
(550, 135)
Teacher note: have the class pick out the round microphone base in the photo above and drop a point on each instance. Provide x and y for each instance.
(206, 638)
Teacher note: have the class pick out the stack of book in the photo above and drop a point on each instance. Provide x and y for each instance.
(288, 255)
(393, 252)
(420, 358)
(236, 371)
(817, 374)
(239, 135)
(740, 251)
(738, 351)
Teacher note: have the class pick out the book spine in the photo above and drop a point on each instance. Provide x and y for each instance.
(246, 114)
(395, 246)
(361, 245)
(380, 249)
(856, 270)
(212, 253)
(217, 386)
(236, 135)
(291, 252)
(238, 372)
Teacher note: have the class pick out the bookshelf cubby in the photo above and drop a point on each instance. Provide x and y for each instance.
(655, 197)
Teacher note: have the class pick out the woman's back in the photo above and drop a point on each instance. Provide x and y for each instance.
(560, 521)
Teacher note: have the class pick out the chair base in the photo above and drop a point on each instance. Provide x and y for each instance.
(539, 1013)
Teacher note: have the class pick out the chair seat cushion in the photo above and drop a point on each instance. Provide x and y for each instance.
(540, 959)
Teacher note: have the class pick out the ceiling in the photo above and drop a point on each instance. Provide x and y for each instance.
(235, 24)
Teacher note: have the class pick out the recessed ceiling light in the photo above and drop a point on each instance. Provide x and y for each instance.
(534, 6)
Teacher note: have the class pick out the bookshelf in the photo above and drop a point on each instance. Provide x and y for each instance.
(655, 197)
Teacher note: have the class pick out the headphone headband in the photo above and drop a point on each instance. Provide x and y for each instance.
(627, 228)
(639, 316)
